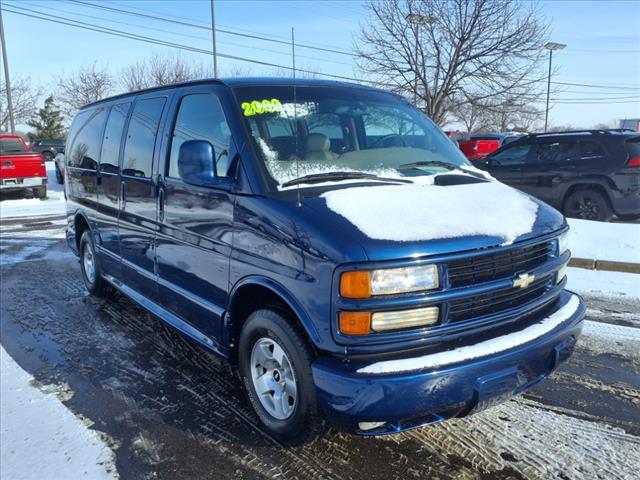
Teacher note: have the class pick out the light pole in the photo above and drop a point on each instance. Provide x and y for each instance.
(213, 40)
(5, 62)
(551, 46)
(416, 20)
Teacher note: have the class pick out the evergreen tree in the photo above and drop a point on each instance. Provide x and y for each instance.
(48, 122)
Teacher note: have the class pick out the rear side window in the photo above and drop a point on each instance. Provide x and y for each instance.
(85, 149)
(11, 145)
(591, 150)
(141, 137)
(112, 138)
(201, 117)
(554, 152)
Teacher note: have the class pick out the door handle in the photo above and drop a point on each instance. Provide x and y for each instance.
(161, 205)
(123, 196)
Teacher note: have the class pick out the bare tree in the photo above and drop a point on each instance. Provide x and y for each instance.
(466, 48)
(506, 113)
(236, 70)
(89, 84)
(470, 112)
(25, 99)
(160, 70)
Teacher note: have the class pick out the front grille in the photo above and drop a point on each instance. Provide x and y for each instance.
(495, 266)
(496, 302)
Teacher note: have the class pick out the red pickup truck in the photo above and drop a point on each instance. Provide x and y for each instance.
(479, 146)
(20, 168)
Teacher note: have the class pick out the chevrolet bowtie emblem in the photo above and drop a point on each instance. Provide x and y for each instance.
(524, 280)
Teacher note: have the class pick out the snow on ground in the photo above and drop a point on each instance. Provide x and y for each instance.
(600, 282)
(41, 438)
(16, 204)
(604, 241)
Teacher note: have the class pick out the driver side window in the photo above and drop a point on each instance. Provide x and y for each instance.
(516, 155)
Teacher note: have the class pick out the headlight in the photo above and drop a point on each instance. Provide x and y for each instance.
(389, 281)
(563, 243)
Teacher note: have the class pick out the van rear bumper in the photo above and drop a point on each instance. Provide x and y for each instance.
(409, 399)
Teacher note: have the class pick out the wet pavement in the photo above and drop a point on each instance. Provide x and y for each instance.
(169, 409)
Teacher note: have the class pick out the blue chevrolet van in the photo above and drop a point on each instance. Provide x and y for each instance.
(329, 240)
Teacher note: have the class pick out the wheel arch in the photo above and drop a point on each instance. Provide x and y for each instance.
(593, 184)
(255, 292)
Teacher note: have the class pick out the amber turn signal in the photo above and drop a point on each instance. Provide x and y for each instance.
(355, 284)
(355, 323)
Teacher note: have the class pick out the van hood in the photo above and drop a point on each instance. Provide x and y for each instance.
(404, 221)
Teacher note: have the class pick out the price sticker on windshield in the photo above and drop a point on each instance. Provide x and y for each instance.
(260, 107)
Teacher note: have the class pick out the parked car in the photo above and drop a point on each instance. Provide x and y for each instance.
(20, 168)
(589, 174)
(48, 148)
(457, 136)
(479, 146)
(329, 240)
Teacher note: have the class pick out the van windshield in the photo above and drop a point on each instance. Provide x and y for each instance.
(342, 130)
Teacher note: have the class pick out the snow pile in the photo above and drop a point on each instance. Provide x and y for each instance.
(482, 349)
(425, 212)
(16, 206)
(602, 282)
(41, 438)
(605, 241)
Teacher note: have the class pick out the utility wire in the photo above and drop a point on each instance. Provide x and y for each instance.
(194, 25)
(197, 37)
(101, 29)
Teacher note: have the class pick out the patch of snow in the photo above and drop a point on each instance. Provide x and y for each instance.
(604, 241)
(28, 207)
(482, 349)
(613, 332)
(601, 282)
(41, 438)
(424, 212)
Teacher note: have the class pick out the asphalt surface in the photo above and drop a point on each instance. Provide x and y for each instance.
(169, 409)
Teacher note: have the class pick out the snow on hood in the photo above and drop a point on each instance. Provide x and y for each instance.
(419, 212)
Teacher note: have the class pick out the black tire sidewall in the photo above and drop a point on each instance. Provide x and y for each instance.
(604, 210)
(87, 242)
(269, 323)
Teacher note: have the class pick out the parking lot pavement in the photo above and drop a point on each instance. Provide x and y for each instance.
(171, 410)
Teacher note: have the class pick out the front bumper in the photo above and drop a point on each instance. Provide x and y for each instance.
(20, 183)
(455, 387)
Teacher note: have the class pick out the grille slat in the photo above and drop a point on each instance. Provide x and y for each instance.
(494, 302)
(495, 266)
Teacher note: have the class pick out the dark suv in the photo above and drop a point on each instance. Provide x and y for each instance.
(587, 174)
(48, 148)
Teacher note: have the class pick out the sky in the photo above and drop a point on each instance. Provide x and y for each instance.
(602, 37)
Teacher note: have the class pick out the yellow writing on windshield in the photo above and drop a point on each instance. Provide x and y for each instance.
(259, 107)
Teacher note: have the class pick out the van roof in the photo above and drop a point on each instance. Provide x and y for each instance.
(237, 82)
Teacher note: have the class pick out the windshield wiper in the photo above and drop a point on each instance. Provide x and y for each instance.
(333, 176)
(429, 163)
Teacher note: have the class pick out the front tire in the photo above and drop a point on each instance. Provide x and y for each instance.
(91, 273)
(275, 369)
(588, 204)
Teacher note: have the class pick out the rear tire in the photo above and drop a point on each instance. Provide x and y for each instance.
(59, 177)
(48, 156)
(273, 353)
(588, 204)
(40, 192)
(90, 267)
